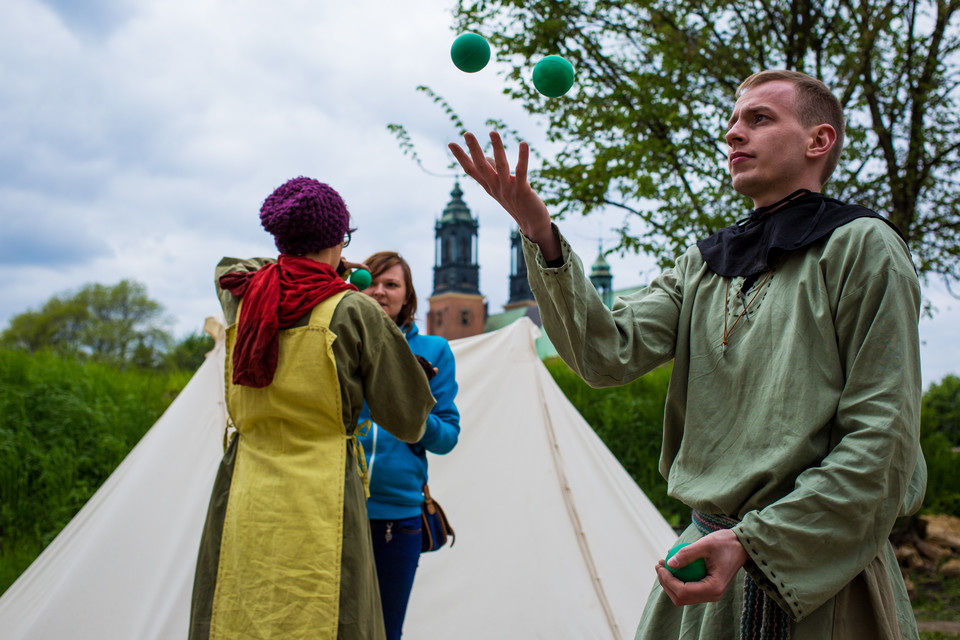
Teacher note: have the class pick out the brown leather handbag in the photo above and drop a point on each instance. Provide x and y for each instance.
(436, 527)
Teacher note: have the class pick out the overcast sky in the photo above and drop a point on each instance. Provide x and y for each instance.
(139, 138)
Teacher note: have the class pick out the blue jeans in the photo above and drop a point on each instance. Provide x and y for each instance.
(396, 550)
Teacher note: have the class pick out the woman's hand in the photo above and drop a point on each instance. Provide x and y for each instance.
(345, 266)
(427, 366)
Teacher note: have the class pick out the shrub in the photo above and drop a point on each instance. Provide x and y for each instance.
(64, 427)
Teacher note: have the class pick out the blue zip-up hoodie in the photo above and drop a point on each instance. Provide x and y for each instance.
(397, 473)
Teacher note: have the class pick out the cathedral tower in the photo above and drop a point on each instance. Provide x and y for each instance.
(520, 294)
(457, 309)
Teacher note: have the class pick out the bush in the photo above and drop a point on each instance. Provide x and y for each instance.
(940, 411)
(64, 428)
(940, 435)
(943, 475)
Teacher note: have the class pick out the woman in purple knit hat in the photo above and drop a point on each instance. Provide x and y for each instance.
(286, 549)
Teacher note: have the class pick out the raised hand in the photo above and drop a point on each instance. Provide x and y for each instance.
(511, 191)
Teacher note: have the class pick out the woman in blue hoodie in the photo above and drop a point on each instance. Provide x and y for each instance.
(398, 470)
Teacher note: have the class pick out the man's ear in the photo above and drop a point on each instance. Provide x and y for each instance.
(822, 139)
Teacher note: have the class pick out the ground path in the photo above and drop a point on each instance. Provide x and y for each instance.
(942, 626)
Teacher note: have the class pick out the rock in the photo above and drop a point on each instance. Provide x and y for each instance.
(941, 530)
(951, 569)
(911, 560)
(908, 556)
(933, 552)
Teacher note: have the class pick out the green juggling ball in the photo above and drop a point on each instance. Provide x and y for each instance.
(553, 76)
(470, 52)
(693, 572)
(360, 279)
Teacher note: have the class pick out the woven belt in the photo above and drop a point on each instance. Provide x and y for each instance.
(761, 618)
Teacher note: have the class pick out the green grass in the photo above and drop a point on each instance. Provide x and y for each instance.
(15, 558)
(938, 598)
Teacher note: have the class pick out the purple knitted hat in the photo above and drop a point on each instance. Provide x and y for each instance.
(305, 216)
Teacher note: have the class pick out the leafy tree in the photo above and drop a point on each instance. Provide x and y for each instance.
(117, 324)
(189, 353)
(941, 409)
(643, 130)
(940, 435)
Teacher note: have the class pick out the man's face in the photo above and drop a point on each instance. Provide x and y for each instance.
(767, 144)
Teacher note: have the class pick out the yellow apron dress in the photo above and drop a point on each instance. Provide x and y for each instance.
(278, 573)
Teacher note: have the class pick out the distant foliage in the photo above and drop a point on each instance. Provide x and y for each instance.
(64, 427)
(189, 353)
(940, 439)
(943, 475)
(941, 409)
(629, 420)
(118, 324)
(115, 324)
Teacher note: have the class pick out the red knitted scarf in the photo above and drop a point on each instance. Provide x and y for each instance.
(274, 298)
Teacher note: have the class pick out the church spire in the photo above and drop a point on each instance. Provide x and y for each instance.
(457, 309)
(456, 268)
(519, 285)
(601, 278)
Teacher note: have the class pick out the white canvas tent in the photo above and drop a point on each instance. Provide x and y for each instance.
(554, 539)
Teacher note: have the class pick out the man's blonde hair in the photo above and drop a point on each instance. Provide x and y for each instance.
(814, 105)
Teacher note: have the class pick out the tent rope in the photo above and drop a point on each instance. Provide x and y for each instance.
(575, 517)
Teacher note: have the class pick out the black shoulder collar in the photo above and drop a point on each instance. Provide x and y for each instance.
(753, 245)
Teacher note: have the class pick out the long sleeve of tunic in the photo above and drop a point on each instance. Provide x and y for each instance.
(805, 427)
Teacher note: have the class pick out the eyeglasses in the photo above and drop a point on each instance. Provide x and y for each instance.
(346, 237)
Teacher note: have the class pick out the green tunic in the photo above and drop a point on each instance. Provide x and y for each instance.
(805, 427)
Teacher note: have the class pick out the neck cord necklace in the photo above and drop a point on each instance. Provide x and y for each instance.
(746, 307)
(779, 203)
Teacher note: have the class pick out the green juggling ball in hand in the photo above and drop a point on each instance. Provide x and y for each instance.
(361, 279)
(470, 52)
(693, 572)
(553, 76)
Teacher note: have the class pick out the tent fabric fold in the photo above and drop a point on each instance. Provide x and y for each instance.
(554, 539)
